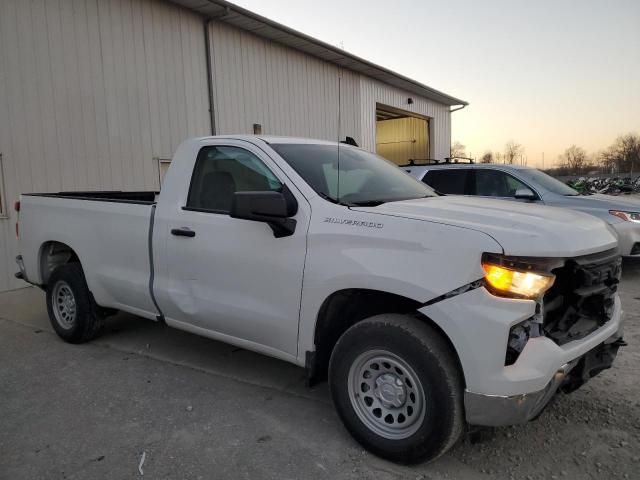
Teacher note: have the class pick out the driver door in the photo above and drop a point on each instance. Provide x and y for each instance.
(232, 277)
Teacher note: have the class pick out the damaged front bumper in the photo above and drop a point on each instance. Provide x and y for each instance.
(503, 410)
(498, 393)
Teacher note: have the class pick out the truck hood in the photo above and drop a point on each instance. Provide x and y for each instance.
(521, 229)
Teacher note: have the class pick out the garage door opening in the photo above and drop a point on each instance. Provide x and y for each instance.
(401, 137)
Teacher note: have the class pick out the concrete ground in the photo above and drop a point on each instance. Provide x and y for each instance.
(194, 408)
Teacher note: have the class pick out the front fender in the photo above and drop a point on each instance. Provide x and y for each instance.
(414, 259)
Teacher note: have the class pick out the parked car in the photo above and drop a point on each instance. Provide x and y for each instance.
(525, 184)
(424, 311)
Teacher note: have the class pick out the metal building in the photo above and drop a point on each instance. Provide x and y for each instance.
(97, 94)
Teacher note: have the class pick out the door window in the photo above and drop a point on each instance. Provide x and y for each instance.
(449, 182)
(222, 171)
(495, 183)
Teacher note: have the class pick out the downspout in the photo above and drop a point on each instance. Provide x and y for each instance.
(207, 46)
(451, 111)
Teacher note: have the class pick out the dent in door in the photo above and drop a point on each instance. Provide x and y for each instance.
(183, 295)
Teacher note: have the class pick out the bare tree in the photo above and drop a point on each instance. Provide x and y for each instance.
(487, 157)
(458, 150)
(512, 152)
(574, 159)
(623, 155)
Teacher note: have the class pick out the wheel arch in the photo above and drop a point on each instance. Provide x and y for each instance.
(344, 308)
(53, 254)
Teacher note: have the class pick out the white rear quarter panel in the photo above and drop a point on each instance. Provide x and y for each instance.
(110, 239)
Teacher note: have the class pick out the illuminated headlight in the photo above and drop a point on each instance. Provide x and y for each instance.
(626, 216)
(516, 283)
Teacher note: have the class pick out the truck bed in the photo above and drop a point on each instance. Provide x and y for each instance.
(140, 197)
(110, 232)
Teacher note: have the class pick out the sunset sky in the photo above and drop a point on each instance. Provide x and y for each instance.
(546, 74)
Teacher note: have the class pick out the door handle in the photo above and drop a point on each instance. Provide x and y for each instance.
(183, 232)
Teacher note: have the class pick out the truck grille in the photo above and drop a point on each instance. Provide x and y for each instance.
(583, 296)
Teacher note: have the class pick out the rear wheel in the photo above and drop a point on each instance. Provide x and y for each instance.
(397, 387)
(72, 311)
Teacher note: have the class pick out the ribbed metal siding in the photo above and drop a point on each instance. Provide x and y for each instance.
(373, 92)
(285, 91)
(290, 93)
(90, 92)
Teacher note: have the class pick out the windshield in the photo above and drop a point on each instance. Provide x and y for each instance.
(548, 182)
(365, 179)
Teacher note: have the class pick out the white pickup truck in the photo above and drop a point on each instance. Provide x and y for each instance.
(426, 312)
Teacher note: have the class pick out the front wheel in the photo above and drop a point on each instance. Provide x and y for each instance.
(397, 387)
(72, 311)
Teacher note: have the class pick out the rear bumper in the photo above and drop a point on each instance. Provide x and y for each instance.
(502, 410)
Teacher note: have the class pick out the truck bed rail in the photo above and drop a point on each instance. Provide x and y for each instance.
(140, 197)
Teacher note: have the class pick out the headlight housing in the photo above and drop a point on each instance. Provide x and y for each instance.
(515, 281)
(626, 216)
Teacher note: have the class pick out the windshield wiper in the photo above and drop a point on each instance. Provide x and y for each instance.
(369, 203)
(333, 200)
(375, 203)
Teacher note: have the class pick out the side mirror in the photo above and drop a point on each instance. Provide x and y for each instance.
(525, 194)
(273, 208)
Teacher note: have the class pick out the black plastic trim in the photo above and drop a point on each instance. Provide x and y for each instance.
(160, 316)
(455, 292)
(106, 196)
(591, 364)
(206, 210)
(311, 368)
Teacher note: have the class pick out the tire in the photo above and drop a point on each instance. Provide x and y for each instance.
(73, 313)
(398, 388)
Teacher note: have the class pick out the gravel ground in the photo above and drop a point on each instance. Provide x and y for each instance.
(200, 409)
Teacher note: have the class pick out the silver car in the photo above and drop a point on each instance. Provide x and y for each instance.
(525, 184)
